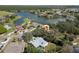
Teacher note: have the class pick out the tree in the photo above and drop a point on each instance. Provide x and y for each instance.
(39, 32)
(77, 16)
(31, 49)
(58, 42)
(12, 16)
(27, 36)
(48, 36)
(58, 49)
(68, 27)
(50, 48)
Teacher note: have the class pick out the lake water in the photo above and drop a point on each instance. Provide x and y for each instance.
(36, 18)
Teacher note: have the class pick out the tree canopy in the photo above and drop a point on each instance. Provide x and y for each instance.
(27, 36)
(31, 49)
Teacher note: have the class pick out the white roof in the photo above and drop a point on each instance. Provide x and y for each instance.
(7, 27)
(75, 43)
(38, 41)
(25, 30)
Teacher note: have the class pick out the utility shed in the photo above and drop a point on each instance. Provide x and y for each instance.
(38, 41)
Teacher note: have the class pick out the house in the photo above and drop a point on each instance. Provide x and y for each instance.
(46, 27)
(7, 27)
(20, 34)
(2, 19)
(73, 9)
(18, 27)
(38, 41)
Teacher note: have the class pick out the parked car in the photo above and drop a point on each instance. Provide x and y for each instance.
(1, 45)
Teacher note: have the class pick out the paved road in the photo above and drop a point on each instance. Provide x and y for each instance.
(9, 37)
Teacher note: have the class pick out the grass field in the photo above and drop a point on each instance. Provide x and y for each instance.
(4, 13)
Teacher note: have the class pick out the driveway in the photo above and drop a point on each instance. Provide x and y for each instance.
(15, 47)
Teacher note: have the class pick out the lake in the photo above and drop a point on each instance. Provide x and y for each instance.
(36, 18)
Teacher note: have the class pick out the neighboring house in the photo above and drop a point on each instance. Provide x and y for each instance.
(26, 31)
(7, 27)
(20, 34)
(2, 19)
(18, 27)
(59, 12)
(38, 41)
(46, 27)
(73, 9)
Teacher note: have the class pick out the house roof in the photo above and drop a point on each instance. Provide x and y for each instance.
(7, 27)
(19, 27)
(38, 41)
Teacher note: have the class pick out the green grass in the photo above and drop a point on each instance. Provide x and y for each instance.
(4, 13)
(2, 29)
(26, 21)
